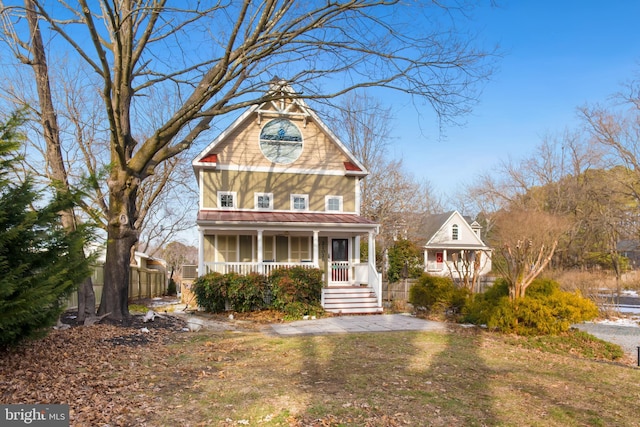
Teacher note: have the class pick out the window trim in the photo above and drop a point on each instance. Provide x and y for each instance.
(234, 196)
(455, 232)
(255, 201)
(327, 200)
(303, 196)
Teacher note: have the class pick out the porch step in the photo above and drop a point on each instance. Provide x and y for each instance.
(351, 300)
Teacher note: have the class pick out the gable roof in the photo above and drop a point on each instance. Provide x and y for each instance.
(208, 157)
(434, 226)
(433, 223)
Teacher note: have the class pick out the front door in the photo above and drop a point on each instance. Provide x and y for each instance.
(339, 261)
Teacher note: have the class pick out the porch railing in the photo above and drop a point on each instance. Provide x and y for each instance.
(435, 266)
(364, 272)
(340, 271)
(252, 267)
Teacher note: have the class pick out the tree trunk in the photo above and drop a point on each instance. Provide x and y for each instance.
(86, 300)
(51, 133)
(115, 295)
(121, 238)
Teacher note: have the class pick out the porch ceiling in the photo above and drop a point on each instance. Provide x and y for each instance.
(253, 218)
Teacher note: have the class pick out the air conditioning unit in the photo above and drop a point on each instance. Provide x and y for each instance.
(189, 271)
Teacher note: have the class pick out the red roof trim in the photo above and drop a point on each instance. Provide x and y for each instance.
(351, 167)
(211, 158)
(282, 217)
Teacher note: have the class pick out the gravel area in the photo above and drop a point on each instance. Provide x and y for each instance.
(626, 336)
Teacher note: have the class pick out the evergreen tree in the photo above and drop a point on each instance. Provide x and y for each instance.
(406, 261)
(39, 267)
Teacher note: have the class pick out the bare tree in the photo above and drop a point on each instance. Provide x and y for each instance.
(364, 125)
(35, 57)
(194, 63)
(467, 264)
(616, 128)
(178, 254)
(526, 241)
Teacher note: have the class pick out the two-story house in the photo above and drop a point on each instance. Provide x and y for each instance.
(279, 189)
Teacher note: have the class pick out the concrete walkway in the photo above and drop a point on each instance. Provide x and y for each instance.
(365, 323)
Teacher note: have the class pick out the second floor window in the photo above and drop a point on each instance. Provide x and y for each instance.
(226, 199)
(454, 232)
(299, 202)
(263, 200)
(333, 203)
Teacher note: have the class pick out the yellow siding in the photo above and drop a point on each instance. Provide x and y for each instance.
(242, 147)
(282, 185)
(209, 248)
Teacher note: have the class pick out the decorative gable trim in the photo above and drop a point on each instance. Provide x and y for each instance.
(280, 108)
(352, 169)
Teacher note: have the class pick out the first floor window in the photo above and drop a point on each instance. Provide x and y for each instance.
(227, 248)
(300, 248)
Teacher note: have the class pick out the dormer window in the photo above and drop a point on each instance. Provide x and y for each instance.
(454, 232)
(227, 199)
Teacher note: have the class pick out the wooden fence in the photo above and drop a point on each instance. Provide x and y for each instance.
(143, 283)
(399, 291)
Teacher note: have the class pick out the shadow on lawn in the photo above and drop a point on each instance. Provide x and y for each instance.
(461, 390)
(395, 378)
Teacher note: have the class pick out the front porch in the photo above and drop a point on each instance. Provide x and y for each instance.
(342, 272)
(333, 248)
(455, 262)
(347, 291)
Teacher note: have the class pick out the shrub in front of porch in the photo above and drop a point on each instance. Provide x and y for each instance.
(211, 292)
(247, 292)
(215, 291)
(297, 291)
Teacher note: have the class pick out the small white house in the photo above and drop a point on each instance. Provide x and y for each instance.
(454, 246)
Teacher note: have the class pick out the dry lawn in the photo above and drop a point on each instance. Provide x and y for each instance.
(118, 376)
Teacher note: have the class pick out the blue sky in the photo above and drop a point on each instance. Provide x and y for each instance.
(558, 55)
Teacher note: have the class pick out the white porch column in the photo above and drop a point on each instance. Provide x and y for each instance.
(201, 271)
(316, 254)
(356, 248)
(260, 252)
(426, 260)
(372, 249)
(374, 278)
(445, 263)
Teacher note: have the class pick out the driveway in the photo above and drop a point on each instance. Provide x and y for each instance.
(627, 337)
(346, 324)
